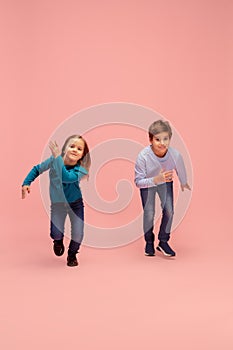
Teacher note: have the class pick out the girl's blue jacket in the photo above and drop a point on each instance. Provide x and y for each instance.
(64, 179)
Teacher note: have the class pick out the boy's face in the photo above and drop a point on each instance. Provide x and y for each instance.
(160, 143)
(74, 151)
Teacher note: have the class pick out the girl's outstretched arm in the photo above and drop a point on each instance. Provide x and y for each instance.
(25, 189)
(33, 174)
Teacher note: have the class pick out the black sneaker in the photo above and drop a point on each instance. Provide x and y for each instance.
(58, 247)
(164, 248)
(72, 260)
(149, 249)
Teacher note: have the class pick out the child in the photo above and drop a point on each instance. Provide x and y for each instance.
(154, 174)
(66, 168)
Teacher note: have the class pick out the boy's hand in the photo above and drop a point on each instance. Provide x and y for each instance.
(164, 176)
(25, 190)
(185, 186)
(54, 149)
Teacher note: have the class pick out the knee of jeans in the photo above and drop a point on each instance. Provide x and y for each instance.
(168, 212)
(149, 215)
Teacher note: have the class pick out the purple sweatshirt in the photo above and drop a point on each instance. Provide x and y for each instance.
(148, 165)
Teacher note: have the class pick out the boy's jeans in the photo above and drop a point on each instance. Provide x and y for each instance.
(165, 192)
(59, 211)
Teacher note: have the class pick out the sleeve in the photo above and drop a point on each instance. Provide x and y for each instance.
(141, 180)
(36, 171)
(71, 175)
(180, 169)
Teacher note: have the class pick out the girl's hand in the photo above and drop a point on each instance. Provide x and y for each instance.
(164, 176)
(54, 149)
(25, 190)
(185, 186)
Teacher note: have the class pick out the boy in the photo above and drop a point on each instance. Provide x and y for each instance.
(154, 174)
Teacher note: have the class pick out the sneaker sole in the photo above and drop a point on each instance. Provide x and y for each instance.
(164, 253)
(72, 265)
(149, 254)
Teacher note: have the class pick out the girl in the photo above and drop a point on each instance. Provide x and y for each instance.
(66, 168)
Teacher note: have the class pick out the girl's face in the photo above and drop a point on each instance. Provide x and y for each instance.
(160, 143)
(74, 151)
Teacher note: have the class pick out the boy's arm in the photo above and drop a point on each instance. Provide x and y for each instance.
(181, 173)
(141, 180)
(185, 186)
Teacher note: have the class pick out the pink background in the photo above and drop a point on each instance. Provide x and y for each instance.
(174, 57)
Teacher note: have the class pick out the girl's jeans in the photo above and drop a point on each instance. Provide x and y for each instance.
(59, 211)
(165, 192)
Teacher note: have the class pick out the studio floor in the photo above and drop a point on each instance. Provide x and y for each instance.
(117, 298)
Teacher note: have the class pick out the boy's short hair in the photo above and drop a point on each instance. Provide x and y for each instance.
(157, 127)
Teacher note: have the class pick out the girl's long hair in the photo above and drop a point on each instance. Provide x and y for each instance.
(85, 161)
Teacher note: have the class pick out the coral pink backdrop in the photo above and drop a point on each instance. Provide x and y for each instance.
(59, 57)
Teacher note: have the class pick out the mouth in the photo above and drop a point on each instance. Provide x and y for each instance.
(73, 154)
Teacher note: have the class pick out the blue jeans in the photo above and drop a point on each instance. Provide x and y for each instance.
(59, 211)
(165, 192)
